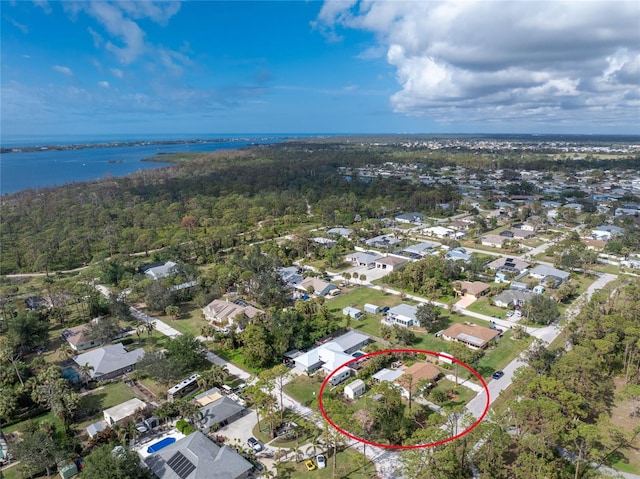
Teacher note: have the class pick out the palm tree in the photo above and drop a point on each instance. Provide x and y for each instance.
(65, 351)
(85, 371)
(149, 326)
(214, 377)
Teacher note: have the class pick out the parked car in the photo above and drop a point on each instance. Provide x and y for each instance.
(322, 461)
(385, 309)
(310, 465)
(497, 374)
(254, 444)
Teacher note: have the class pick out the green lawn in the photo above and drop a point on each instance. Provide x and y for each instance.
(484, 306)
(349, 465)
(109, 396)
(304, 389)
(505, 352)
(462, 394)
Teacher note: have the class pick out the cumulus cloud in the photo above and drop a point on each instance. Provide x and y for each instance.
(116, 72)
(64, 70)
(488, 60)
(103, 84)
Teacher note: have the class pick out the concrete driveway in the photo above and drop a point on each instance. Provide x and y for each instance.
(241, 429)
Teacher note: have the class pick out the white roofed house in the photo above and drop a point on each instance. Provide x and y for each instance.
(543, 272)
(333, 354)
(439, 232)
(115, 414)
(402, 315)
(364, 259)
(158, 270)
(320, 286)
(391, 263)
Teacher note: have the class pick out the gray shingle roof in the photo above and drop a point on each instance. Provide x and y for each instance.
(108, 359)
(210, 460)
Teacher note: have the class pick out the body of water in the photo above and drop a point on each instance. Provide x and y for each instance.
(37, 169)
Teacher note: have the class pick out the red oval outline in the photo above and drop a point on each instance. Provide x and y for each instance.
(415, 446)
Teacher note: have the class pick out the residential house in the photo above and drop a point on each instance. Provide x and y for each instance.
(461, 225)
(511, 265)
(225, 312)
(109, 361)
(420, 250)
(507, 234)
(457, 254)
(320, 286)
(355, 389)
(416, 218)
(383, 241)
(158, 270)
(290, 276)
(627, 210)
(77, 338)
(364, 259)
(116, 414)
(494, 241)
(324, 242)
(344, 232)
(390, 263)
(523, 234)
(543, 271)
(389, 375)
(606, 232)
(218, 410)
(416, 375)
(333, 354)
(512, 297)
(472, 335)
(472, 289)
(529, 227)
(402, 315)
(197, 457)
(594, 244)
(439, 232)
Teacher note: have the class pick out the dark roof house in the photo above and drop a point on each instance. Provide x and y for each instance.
(197, 457)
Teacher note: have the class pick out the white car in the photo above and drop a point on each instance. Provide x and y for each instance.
(322, 461)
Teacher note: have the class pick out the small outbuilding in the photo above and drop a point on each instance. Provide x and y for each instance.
(115, 414)
(353, 312)
(371, 308)
(355, 389)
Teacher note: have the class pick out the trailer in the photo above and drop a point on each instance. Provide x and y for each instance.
(371, 308)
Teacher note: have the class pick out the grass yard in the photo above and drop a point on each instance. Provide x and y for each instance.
(108, 396)
(304, 389)
(349, 465)
(483, 306)
(505, 352)
(460, 395)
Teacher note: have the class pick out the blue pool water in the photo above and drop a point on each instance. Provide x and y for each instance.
(357, 354)
(70, 375)
(160, 444)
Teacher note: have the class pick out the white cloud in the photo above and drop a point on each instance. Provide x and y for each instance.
(64, 70)
(44, 4)
(159, 12)
(23, 28)
(98, 41)
(103, 84)
(117, 72)
(487, 60)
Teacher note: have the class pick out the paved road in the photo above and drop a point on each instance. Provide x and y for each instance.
(548, 334)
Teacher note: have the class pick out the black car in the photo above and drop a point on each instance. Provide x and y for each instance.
(497, 374)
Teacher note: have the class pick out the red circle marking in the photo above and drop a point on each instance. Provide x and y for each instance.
(416, 446)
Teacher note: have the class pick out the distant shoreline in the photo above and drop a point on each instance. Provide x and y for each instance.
(115, 144)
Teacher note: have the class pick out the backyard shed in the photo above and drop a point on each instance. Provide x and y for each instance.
(371, 308)
(117, 413)
(353, 312)
(354, 389)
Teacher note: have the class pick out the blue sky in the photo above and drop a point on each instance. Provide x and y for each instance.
(142, 67)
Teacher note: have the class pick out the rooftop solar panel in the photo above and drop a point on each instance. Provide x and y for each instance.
(181, 465)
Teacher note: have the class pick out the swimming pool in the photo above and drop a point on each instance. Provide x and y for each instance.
(160, 444)
(70, 375)
(357, 354)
